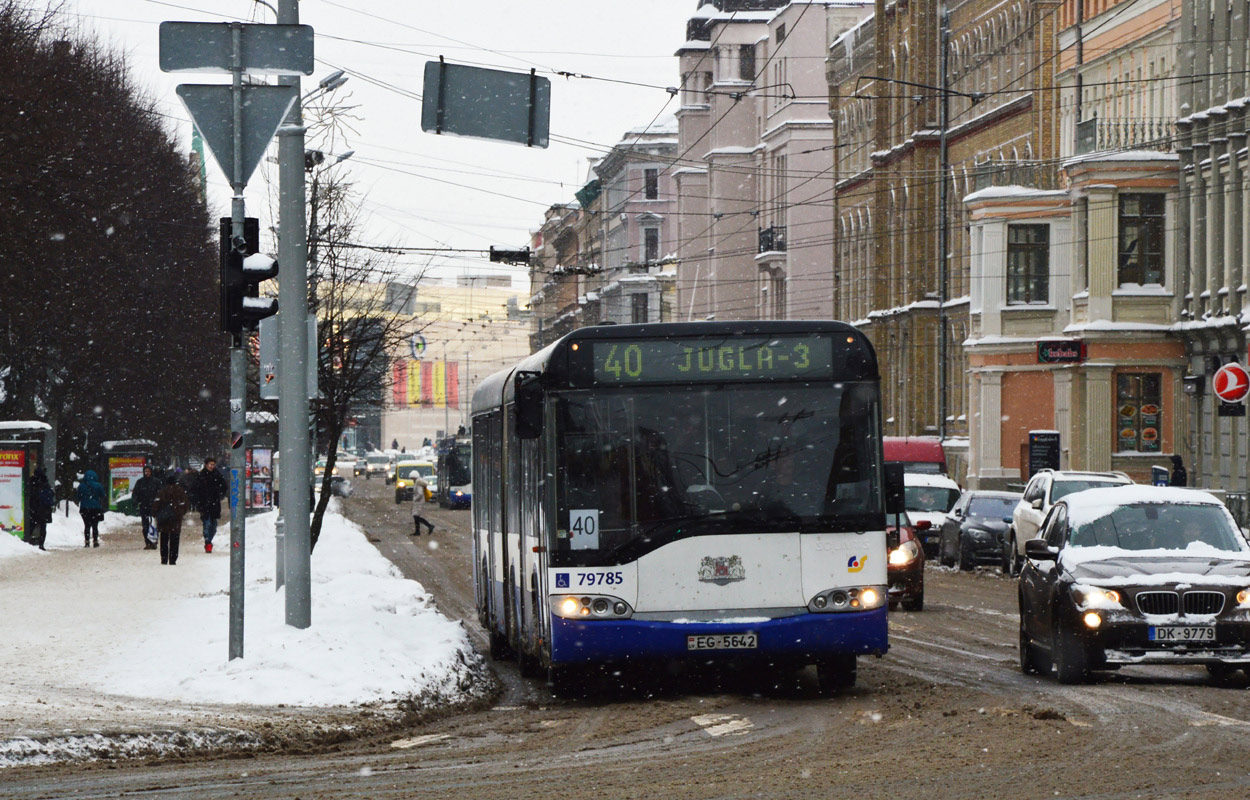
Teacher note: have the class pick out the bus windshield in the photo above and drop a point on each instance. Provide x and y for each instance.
(459, 465)
(652, 465)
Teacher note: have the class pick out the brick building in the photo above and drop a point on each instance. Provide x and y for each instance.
(992, 63)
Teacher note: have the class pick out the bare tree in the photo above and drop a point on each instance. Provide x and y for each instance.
(363, 308)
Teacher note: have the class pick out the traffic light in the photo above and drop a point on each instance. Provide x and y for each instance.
(509, 256)
(242, 307)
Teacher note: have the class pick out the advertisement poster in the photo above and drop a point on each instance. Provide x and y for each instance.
(12, 496)
(260, 473)
(124, 472)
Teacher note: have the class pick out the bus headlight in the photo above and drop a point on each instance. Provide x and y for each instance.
(852, 598)
(904, 554)
(591, 607)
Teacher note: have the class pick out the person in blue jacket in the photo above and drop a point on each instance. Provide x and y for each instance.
(90, 507)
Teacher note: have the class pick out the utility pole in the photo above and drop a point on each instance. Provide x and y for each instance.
(238, 367)
(293, 438)
(943, 222)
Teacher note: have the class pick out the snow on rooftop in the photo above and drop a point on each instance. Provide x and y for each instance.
(20, 425)
(128, 443)
(1014, 192)
(1126, 155)
(664, 125)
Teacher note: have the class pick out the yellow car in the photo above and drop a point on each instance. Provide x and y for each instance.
(319, 468)
(405, 471)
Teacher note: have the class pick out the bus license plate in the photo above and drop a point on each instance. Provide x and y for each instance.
(1183, 633)
(722, 641)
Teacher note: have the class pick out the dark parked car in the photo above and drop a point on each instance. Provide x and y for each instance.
(976, 528)
(1135, 575)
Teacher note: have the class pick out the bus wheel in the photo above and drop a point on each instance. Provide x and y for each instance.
(836, 674)
(499, 650)
(528, 664)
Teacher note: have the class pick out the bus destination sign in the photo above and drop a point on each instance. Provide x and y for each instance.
(737, 358)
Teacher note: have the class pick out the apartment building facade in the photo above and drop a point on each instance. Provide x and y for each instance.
(1212, 212)
(755, 183)
(1075, 290)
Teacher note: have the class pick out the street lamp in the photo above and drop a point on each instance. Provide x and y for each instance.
(327, 84)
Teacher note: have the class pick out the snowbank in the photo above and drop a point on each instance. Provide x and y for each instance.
(375, 635)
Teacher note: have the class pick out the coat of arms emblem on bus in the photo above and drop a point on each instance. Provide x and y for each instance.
(721, 570)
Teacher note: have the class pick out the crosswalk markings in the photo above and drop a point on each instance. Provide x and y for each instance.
(723, 724)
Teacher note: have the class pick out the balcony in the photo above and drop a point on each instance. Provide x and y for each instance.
(773, 239)
(1124, 133)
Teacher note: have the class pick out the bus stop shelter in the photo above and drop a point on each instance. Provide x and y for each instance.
(124, 463)
(21, 453)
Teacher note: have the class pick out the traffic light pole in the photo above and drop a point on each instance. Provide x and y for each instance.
(293, 439)
(238, 373)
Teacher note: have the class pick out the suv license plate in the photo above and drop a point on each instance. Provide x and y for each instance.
(722, 641)
(1183, 633)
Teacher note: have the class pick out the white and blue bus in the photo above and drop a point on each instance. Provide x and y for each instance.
(683, 491)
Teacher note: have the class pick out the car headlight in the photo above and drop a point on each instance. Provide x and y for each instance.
(591, 607)
(1243, 597)
(1095, 597)
(904, 554)
(853, 598)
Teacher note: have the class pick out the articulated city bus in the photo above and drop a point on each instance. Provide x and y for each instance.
(683, 491)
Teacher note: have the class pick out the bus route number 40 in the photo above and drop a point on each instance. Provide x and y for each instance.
(584, 529)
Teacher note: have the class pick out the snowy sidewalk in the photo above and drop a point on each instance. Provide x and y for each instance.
(107, 640)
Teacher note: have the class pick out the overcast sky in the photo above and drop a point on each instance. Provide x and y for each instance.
(424, 190)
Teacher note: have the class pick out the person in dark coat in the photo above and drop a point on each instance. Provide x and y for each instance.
(169, 507)
(1180, 477)
(42, 501)
(210, 489)
(90, 507)
(144, 492)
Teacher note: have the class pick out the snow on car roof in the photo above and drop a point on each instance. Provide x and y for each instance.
(1132, 493)
(1077, 475)
(929, 479)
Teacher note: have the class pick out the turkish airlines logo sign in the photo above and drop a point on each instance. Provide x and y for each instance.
(1231, 383)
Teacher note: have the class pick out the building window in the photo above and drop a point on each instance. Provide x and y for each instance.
(650, 245)
(1028, 264)
(746, 62)
(1139, 411)
(1141, 239)
(781, 33)
(638, 308)
(651, 183)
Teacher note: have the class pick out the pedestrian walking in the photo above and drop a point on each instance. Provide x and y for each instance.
(419, 487)
(169, 507)
(210, 489)
(143, 493)
(1180, 477)
(42, 501)
(90, 507)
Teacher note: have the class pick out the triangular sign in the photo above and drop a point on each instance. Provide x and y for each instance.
(212, 111)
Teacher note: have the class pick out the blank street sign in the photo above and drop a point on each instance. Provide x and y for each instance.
(209, 47)
(486, 104)
(212, 111)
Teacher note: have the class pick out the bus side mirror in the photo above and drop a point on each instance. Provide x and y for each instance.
(894, 498)
(528, 405)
